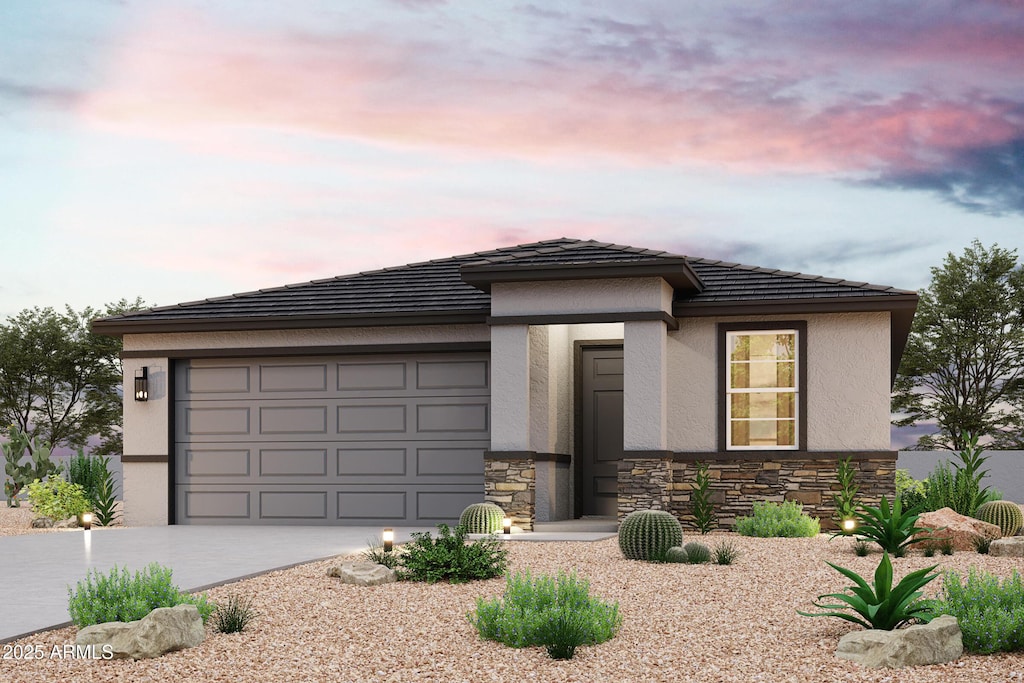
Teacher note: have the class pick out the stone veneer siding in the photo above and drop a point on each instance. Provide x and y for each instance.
(511, 484)
(666, 483)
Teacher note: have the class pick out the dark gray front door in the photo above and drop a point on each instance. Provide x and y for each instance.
(330, 440)
(601, 431)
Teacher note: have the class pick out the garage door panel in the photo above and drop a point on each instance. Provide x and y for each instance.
(276, 379)
(372, 462)
(217, 380)
(375, 440)
(372, 419)
(293, 462)
(362, 377)
(293, 420)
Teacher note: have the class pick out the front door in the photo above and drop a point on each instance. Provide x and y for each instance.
(600, 442)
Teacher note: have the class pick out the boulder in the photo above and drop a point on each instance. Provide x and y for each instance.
(165, 629)
(363, 573)
(42, 523)
(937, 642)
(69, 523)
(1011, 546)
(962, 531)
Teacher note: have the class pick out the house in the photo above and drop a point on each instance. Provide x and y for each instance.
(559, 379)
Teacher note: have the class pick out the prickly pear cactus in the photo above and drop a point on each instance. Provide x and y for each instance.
(676, 555)
(697, 553)
(1004, 514)
(39, 465)
(482, 518)
(648, 534)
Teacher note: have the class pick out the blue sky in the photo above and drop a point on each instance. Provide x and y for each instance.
(188, 149)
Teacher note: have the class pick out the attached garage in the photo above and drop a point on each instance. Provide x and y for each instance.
(340, 440)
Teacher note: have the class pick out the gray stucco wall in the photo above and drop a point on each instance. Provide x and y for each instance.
(1005, 469)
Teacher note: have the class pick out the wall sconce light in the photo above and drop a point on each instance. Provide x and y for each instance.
(142, 384)
(86, 521)
(389, 539)
(849, 525)
(506, 526)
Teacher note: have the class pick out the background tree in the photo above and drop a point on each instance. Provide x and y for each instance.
(59, 381)
(964, 363)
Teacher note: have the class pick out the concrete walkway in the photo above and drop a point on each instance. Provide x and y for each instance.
(36, 570)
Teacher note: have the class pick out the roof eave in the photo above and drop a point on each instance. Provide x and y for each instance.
(113, 327)
(675, 271)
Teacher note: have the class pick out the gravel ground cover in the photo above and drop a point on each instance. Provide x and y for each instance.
(680, 623)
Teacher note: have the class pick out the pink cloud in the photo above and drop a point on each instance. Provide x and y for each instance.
(418, 93)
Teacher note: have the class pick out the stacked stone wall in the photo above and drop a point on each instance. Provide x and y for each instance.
(512, 485)
(644, 484)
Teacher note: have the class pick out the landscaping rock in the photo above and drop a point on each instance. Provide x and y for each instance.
(1012, 546)
(935, 643)
(363, 573)
(42, 523)
(165, 629)
(962, 531)
(69, 523)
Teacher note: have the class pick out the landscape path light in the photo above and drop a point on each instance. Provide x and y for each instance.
(389, 539)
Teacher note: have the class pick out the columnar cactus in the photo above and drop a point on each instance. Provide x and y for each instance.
(697, 553)
(648, 534)
(1004, 514)
(482, 518)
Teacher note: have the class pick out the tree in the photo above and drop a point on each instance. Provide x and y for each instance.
(59, 381)
(963, 367)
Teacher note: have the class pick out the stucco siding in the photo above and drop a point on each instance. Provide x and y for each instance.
(847, 392)
(580, 296)
(145, 493)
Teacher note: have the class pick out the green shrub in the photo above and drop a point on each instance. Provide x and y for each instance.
(704, 517)
(57, 499)
(990, 611)
(450, 558)
(879, 605)
(1004, 514)
(958, 486)
(725, 553)
(773, 519)
(375, 553)
(93, 474)
(119, 596)
(557, 613)
(909, 491)
(697, 553)
(845, 500)
(234, 615)
(648, 534)
(482, 518)
(861, 549)
(891, 527)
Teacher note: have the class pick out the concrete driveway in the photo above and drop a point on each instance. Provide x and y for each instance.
(36, 570)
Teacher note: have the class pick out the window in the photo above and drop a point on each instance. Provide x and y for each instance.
(762, 397)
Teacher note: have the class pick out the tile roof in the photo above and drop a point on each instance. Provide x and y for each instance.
(436, 288)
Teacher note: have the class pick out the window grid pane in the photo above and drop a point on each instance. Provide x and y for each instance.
(762, 389)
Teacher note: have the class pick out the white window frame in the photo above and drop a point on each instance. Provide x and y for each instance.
(795, 390)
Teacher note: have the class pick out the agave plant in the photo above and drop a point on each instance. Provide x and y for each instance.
(890, 527)
(879, 606)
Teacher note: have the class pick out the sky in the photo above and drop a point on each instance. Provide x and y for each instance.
(186, 149)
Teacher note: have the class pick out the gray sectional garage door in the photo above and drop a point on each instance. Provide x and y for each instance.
(343, 440)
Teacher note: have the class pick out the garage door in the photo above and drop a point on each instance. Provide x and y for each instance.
(343, 441)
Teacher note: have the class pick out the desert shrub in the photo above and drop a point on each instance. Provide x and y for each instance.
(375, 553)
(93, 474)
(704, 517)
(958, 485)
(861, 548)
(119, 596)
(450, 558)
(890, 526)
(982, 544)
(57, 499)
(697, 553)
(234, 615)
(725, 553)
(557, 613)
(774, 519)
(990, 611)
(909, 491)
(648, 534)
